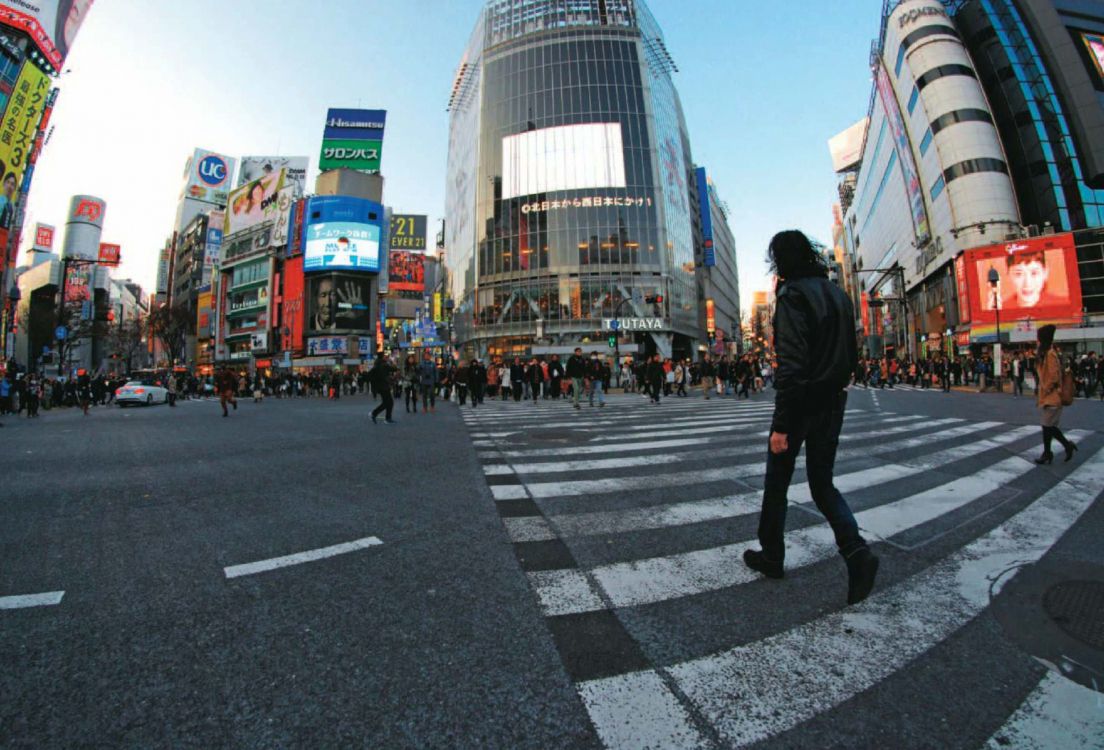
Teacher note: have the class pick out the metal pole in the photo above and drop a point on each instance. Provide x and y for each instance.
(997, 364)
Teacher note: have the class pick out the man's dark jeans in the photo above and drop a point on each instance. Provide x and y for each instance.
(820, 432)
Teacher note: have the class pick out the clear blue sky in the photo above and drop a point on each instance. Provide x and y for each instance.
(764, 85)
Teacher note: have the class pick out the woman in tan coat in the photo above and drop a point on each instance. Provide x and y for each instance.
(1049, 396)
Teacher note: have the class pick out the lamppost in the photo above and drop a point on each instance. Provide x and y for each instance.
(994, 284)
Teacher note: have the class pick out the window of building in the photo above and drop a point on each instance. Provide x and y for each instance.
(973, 166)
(913, 99)
(926, 142)
(937, 188)
(942, 72)
(960, 115)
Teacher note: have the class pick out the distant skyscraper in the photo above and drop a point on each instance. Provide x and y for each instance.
(569, 178)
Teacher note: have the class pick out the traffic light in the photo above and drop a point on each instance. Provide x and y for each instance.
(613, 341)
(655, 299)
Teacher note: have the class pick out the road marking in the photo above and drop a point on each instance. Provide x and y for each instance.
(639, 711)
(47, 599)
(1057, 713)
(261, 566)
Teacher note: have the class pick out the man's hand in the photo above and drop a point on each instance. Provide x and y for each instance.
(779, 443)
(350, 295)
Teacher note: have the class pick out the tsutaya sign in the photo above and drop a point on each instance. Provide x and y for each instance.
(632, 324)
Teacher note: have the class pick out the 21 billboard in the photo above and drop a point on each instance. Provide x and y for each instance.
(408, 232)
(1038, 279)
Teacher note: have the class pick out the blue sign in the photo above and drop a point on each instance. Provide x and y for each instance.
(615, 324)
(709, 254)
(355, 124)
(342, 233)
(60, 333)
(213, 170)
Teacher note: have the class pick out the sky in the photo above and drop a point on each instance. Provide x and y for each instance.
(763, 85)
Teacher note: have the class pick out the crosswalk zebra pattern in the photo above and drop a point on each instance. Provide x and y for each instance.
(630, 522)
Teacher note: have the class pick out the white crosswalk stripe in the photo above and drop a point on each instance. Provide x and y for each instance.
(628, 516)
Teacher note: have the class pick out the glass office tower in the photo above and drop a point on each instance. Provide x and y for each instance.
(568, 182)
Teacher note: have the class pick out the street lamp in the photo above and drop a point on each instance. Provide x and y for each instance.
(994, 284)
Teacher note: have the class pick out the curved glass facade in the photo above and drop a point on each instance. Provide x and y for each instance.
(568, 178)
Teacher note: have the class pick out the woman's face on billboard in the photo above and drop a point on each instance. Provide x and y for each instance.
(1029, 281)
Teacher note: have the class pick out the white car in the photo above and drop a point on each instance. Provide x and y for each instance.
(141, 392)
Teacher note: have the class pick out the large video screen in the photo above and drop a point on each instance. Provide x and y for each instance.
(339, 302)
(1039, 279)
(569, 157)
(341, 245)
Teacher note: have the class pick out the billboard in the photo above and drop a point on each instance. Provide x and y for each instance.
(43, 238)
(207, 177)
(281, 229)
(566, 157)
(341, 245)
(295, 170)
(83, 228)
(52, 24)
(904, 154)
(408, 232)
(213, 245)
(17, 134)
(353, 139)
(406, 272)
(339, 302)
(709, 253)
(1039, 280)
(1095, 44)
(253, 203)
(846, 147)
(109, 254)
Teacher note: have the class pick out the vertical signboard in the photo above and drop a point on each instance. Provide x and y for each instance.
(408, 232)
(709, 255)
(904, 154)
(17, 134)
(710, 317)
(353, 139)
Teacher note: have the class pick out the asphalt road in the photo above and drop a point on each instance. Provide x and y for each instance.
(530, 576)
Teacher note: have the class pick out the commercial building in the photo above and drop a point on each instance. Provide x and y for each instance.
(986, 132)
(569, 181)
(718, 278)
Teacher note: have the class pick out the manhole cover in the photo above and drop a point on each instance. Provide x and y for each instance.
(555, 436)
(1077, 607)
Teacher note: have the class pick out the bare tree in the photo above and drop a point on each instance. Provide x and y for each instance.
(127, 340)
(170, 325)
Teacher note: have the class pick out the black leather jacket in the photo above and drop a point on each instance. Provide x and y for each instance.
(814, 341)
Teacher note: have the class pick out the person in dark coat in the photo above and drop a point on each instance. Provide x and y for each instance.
(655, 375)
(380, 377)
(814, 339)
(555, 375)
(477, 378)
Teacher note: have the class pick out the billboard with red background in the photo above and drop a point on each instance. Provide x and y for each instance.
(293, 311)
(406, 272)
(1038, 280)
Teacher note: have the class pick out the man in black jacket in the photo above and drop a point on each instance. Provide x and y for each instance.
(814, 340)
(555, 376)
(576, 371)
(380, 379)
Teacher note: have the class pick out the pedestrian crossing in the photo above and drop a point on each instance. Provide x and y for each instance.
(630, 522)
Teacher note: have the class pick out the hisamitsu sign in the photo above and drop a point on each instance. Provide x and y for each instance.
(632, 324)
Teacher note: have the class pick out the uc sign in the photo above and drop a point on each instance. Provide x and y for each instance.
(213, 170)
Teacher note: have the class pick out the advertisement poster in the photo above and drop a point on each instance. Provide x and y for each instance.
(281, 229)
(406, 272)
(207, 177)
(78, 284)
(295, 170)
(904, 155)
(353, 139)
(408, 232)
(1095, 45)
(345, 245)
(253, 203)
(1039, 279)
(963, 289)
(17, 134)
(52, 24)
(109, 254)
(339, 302)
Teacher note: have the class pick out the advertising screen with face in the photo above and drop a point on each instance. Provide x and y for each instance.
(253, 203)
(52, 24)
(341, 245)
(1037, 278)
(339, 302)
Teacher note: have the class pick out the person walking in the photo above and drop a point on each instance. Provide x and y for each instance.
(477, 379)
(170, 389)
(410, 383)
(1017, 369)
(555, 376)
(815, 345)
(654, 375)
(596, 375)
(576, 372)
(379, 378)
(536, 380)
(226, 382)
(427, 382)
(708, 371)
(1049, 396)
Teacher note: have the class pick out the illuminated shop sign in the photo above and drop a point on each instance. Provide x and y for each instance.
(595, 201)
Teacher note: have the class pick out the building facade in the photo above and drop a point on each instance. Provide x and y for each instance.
(569, 177)
(718, 278)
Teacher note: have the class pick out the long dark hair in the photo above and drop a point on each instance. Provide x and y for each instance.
(792, 256)
(1046, 338)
